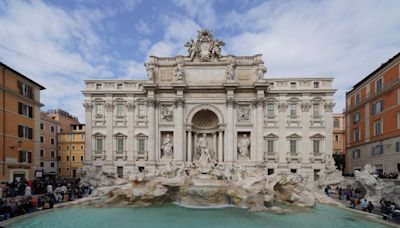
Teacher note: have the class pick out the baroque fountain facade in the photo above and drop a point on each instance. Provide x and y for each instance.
(209, 129)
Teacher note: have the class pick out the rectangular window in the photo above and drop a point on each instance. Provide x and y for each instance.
(81, 158)
(379, 85)
(52, 141)
(120, 110)
(41, 153)
(270, 111)
(120, 145)
(99, 111)
(378, 127)
(41, 126)
(293, 149)
(142, 110)
(25, 90)
(358, 99)
(52, 165)
(25, 110)
(356, 134)
(141, 145)
(377, 107)
(397, 146)
(356, 153)
(52, 129)
(41, 164)
(356, 117)
(73, 158)
(270, 146)
(377, 149)
(67, 157)
(120, 171)
(25, 157)
(316, 110)
(336, 123)
(316, 84)
(58, 158)
(25, 132)
(53, 153)
(293, 109)
(81, 147)
(99, 146)
(41, 139)
(316, 147)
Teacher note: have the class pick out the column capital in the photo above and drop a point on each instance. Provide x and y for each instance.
(231, 102)
(329, 106)
(179, 102)
(88, 106)
(130, 106)
(152, 102)
(259, 102)
(109, 106)
(305, 106)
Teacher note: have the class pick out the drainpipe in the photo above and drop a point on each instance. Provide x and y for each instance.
(4, 121)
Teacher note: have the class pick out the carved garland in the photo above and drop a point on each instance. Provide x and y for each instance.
(151, 102)
(259, 102)
(130, 106)
(282, 106)
(329, 106)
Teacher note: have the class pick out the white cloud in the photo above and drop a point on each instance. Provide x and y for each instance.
(199, 10)
(325, 38)
(177, 32)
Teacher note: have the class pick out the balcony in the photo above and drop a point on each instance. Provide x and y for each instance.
(317, 157)
(141, 155)
(268, 156)
(293, 157)
(99, 154)
(120, 154)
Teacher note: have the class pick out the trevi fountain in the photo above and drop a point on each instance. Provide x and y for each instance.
(209, 131)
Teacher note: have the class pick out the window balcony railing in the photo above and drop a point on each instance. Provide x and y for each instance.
(268, 156)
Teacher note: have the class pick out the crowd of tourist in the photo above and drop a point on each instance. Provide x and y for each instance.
(21, 197)
(388, 175)
(356, 200)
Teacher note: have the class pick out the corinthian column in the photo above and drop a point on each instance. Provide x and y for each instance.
(88, 132)
(229, 145)
(179, 130)
(151, 149)
(259, 103)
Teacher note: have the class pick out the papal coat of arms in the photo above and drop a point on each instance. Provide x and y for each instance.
(206, 48)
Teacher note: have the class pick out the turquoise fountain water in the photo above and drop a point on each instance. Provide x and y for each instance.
(175, 216)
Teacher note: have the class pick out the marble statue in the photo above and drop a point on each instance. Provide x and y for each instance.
(243, 147)
(167, 147)
(179, 72)
(150, 70)
(202, 147)
(192, 48)
(261, 69)
(230, 72)
(166, 113)
(206, 48)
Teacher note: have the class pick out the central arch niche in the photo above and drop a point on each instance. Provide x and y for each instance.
(205, 123)
(205, 120)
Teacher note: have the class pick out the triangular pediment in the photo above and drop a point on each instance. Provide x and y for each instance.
(271, 136)
(294, 136)
(317, 136)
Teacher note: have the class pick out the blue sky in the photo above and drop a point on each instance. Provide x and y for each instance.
(61, 43)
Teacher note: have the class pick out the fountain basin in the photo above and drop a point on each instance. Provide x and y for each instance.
(170, 215)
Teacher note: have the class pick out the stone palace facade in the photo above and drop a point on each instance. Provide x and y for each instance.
(206, 107)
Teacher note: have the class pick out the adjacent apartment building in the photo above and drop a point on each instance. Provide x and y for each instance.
(338, 145)
(373, 120)
(19, 125)
(49, 129)
(71, 151)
